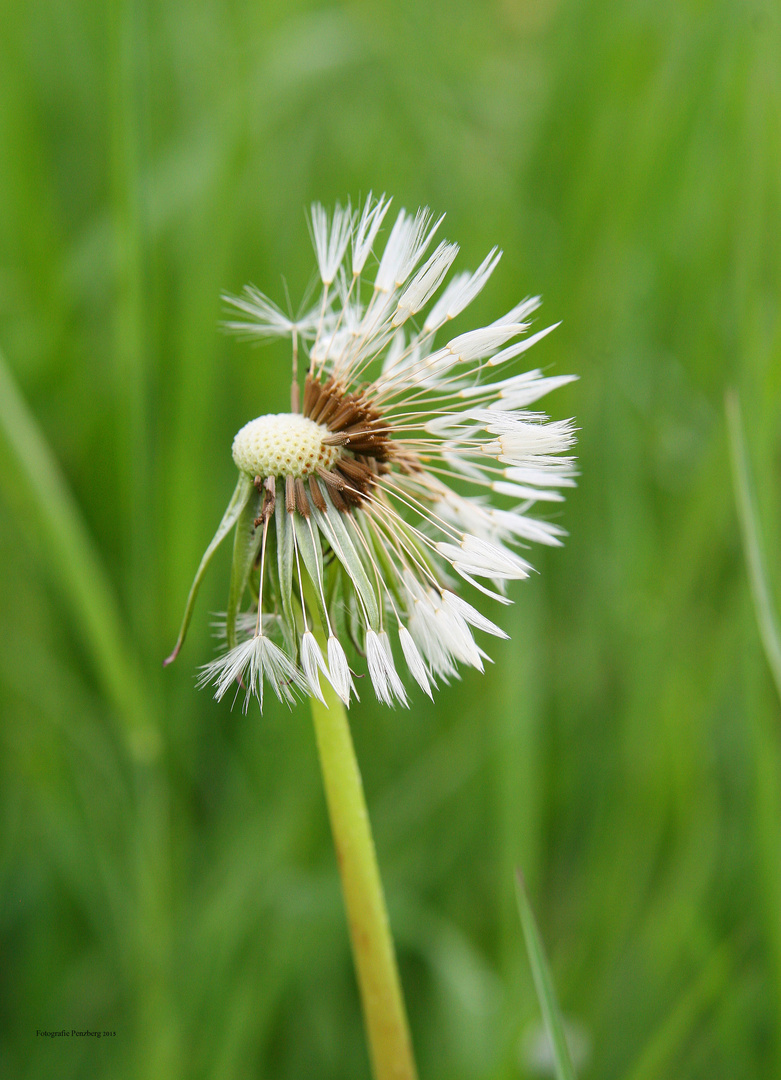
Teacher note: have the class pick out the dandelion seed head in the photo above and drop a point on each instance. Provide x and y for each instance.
(406, 470)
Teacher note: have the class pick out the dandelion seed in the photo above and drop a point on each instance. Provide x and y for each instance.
(339, 670)
(312, 662)
(372, 217)
(404, 463)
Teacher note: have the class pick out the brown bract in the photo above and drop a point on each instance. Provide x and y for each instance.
(363, 435)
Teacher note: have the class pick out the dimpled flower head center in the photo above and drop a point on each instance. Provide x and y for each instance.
(283, 444)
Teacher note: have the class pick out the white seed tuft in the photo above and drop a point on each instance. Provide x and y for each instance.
(425, 283)
(382, 672)
(312, 662)
(339, 670)
(330, 243)
(414, 660)
(366, 231)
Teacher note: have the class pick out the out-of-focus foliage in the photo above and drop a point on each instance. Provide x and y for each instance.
(166, 870)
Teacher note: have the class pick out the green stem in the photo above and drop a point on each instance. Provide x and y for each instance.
(375, 959)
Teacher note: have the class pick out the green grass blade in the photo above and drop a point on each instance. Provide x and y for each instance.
(543, 984)
(29, 472)
(747, 515)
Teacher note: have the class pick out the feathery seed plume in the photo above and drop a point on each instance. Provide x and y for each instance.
(401, 464)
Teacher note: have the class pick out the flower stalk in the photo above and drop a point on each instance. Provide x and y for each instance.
(375, 959)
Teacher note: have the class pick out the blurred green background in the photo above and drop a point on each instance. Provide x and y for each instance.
(166, 869)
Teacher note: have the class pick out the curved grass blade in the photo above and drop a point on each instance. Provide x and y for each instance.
(30, 472)
(752, 548)
(543, 984)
